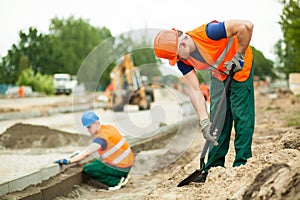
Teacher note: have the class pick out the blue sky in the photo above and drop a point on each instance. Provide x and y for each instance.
(122, 16)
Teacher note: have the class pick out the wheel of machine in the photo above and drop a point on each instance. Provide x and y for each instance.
(118, 108)
(68, 92)
(149, 100)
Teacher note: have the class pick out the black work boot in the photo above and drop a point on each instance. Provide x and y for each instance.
(201, 178)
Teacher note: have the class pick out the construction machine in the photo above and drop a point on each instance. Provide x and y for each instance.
(127, 87)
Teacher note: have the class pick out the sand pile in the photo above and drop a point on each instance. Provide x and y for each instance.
(21, 136)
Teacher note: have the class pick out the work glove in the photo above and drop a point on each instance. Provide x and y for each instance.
(205, 125)
(62, 161)
(237, 61)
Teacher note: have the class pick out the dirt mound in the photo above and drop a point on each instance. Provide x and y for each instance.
(21, 136)
(291, 140)
(274, 181)
(272, 173)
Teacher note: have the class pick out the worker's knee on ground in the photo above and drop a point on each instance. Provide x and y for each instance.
(90, 169)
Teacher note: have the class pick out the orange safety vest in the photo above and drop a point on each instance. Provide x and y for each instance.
(216, 53)
(118, 152)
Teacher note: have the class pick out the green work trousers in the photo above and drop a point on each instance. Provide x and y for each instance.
(238, 110)
(104, 173)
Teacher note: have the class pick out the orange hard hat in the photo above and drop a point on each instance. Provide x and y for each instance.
(166, 45)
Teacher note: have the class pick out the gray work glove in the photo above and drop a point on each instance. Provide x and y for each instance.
(205, 124)
(237, 60)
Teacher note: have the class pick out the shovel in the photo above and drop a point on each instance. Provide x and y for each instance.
(214, 131)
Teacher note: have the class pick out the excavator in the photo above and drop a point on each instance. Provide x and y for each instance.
(126, 87)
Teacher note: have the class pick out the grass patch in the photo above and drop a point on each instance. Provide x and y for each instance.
(293, 119)
(273, 108)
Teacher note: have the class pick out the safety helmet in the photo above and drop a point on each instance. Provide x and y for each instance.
(88, 118)
(166, 45)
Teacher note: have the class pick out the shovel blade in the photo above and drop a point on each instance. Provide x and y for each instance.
(194, 175)
(190, 178)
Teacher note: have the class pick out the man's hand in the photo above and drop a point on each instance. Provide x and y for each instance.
(237, 61)
(205, 124)
(62, 161)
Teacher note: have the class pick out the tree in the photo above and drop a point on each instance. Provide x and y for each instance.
(7, 72)
(262, 66)
(32, 50)
(139, 45)
(38, 82)
(74, 39)
(105, 57)
(62, 50)
(288, 48)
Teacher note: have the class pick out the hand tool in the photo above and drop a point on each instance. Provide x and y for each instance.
(213, 131)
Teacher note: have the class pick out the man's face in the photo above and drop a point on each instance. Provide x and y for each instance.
(94, 127)
(184, 50)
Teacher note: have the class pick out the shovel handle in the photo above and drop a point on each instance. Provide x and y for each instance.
(218, 111)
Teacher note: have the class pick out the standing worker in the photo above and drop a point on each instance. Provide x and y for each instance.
(217, 46)
(21, 91)
(116, 156)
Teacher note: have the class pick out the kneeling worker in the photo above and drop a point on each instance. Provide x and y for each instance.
(116, 156)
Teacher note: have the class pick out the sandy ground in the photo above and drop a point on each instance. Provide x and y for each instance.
(272, 173)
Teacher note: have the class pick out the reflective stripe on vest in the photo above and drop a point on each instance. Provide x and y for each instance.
(219, 60)
(122, 156)
(223, 54)
(215, 53)
(114, 148)
(118, 152)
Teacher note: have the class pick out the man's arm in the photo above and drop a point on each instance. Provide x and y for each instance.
(198, 102)
(243, 30)
(196, 95)
(82, 155)
(86, 153)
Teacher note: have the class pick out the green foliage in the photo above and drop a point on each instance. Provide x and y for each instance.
(38, 82)
(74, 46)
(74, 39)
(8, 73)
(145, 59)
(103, 59)
(288, 48)
(94, 71)
(105, 78)
(262, 66)
(292, 119)
(62, 50)
(143, 55)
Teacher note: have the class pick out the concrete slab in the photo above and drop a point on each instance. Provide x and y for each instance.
(4, 188)
(24, 181)
(48, 172)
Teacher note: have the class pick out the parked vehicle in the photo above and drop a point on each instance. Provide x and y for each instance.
(64, 83)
